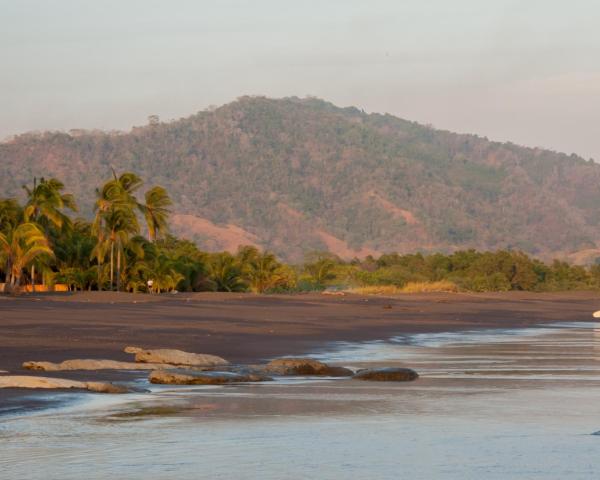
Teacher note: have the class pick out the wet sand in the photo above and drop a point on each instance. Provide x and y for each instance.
(246, 328)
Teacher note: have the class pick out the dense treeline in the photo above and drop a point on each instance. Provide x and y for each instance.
(127, 247)
(469, 270)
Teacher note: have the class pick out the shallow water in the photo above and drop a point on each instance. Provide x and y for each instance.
(489, 404)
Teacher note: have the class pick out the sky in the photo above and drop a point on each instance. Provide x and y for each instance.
(525, 71)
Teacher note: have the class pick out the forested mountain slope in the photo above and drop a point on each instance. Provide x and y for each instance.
(294, 175)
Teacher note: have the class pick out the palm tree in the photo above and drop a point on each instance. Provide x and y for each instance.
(156, 211)
(224, 271)
(264, 272)
(11, 215)
(73, 255)
(45, 202)
(119, 223)
(163, 274)
(320, 266)
(115, 220)
(21, 246)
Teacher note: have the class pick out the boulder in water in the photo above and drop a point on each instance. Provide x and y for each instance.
(305, 366)
(390, 374)
(191, 377)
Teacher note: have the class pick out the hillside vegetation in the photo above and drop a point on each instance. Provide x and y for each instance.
(298, 175)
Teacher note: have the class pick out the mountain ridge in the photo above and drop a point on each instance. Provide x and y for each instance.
(294, 175)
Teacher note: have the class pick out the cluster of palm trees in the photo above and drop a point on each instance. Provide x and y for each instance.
(25, 231)
(249, 269)
(116, 224)
(41, 243)
(40, 240)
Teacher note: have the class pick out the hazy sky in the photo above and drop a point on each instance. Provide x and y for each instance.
(526, 71)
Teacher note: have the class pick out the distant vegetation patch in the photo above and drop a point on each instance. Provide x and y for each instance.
(410, 287)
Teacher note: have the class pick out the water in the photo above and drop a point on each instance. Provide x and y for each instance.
(491, 404)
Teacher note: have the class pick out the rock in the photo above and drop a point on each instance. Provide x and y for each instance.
(25, 381)
(305, 366)
(190, 377)
(89, 364)
(391, 374)
(175, 357)
(102, 387)
(132, 349)
(337, 372)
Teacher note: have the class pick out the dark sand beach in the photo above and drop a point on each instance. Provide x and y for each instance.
(246, 328)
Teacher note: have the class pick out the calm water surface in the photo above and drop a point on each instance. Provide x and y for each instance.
(488, 405)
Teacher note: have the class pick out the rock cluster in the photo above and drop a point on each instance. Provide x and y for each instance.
(176, 367)
(144, 360)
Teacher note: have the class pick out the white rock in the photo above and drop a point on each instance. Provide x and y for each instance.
(89, 364)
(26, 381)
(176, 357)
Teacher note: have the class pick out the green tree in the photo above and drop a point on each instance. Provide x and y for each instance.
(263, 272)
(320, 266)
(46, 202)
(225, 273)
(11, 214)
(156, 211)
(73, 251)
(20, 247)
(45, 205)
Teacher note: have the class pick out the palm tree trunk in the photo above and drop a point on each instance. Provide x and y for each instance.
(33, 278)
(118, 270)
(112, 254)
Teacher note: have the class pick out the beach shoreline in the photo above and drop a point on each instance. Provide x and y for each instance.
(247, 328)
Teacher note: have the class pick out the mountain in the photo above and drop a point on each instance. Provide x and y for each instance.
(294, 175)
